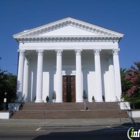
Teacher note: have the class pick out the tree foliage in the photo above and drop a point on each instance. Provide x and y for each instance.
(131, 83)
(7, 85)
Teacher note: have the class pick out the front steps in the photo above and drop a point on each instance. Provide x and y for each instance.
(69, 111)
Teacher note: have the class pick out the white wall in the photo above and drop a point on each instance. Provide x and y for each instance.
(49, 71)
(88, 74)
(32, 77)
(4, 115)
(104, 77)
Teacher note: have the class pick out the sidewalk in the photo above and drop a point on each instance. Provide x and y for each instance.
(69, 122)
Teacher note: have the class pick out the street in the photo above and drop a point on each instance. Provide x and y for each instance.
(74, 133)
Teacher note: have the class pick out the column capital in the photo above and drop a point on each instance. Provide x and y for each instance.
(78, 51)
(40, 52)
(97, 51)
(115, 51)
(21, 52)
(59, 52)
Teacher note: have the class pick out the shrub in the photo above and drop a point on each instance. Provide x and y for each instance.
(47, 99)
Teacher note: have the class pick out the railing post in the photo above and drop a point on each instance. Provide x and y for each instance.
(43, 116)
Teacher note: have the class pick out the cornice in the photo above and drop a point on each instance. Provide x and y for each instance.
(66, 22)
(69, 39)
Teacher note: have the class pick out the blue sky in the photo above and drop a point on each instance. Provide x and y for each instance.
(119, 15)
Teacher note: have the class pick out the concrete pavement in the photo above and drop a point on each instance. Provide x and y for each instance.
(69, 122)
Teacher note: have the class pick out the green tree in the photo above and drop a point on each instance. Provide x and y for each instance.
(11, 87)
(131, 84)
(125, 84)
(7, 85)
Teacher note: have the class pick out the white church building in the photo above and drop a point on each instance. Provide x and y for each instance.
(68, 56)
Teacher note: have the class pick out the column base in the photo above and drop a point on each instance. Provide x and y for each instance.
(39, 101)
(58, 101)
(113, 100)
(79, 101)
(98, 100)
(26, 100)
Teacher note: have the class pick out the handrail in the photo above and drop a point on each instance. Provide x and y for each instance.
(119, 109)
(126, 106)
(117, 99)
(20, 100)
(123, 103)
(43, 117)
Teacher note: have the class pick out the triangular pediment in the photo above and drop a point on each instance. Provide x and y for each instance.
(67, 27)
(68, 31)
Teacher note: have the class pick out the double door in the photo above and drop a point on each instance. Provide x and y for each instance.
(69, 88)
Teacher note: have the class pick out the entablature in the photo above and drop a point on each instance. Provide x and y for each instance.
(69, 39)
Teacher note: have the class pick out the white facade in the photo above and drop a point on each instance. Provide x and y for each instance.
(69, 47)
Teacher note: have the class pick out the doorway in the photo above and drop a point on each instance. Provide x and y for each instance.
(68, 88)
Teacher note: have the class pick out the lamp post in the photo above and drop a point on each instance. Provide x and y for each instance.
(5, 101)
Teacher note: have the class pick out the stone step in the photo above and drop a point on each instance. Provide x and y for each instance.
(68, 114)
(69, 106)
(69, 111)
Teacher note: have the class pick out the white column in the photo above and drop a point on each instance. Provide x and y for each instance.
(98, 97)
(26, 74)
(111, 80)
(20, 74)
(39, 77)
(58, 75)
(31, 89)
(79, 93)
(117, 73)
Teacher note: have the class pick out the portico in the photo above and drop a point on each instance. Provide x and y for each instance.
(68, 47)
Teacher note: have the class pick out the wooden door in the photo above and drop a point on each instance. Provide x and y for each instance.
(65, 85)
(72, 82)
(68, 88)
